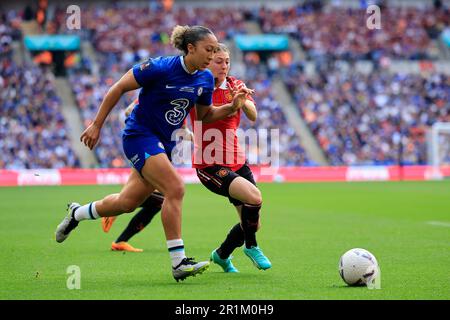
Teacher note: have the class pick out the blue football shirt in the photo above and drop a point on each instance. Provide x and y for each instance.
(167, 95)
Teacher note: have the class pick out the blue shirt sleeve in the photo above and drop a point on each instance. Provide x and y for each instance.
(206, 95)
(147, 72)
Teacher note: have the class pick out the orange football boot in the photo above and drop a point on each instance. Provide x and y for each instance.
(107, 223)
(124, 246)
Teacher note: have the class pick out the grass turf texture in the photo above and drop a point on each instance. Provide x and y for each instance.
(305, 229)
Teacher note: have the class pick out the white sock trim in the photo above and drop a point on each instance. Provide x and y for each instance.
(176, 251)
(86, 212)
(174, 243)
(94, 211)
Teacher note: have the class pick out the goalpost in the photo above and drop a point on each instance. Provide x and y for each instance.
(438, 141)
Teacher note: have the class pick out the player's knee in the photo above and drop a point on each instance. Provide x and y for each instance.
(255, 197)
(250, 217)
(155, 200)
(176, 191)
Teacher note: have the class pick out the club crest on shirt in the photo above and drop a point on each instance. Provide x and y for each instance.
(222, 173)
(200, 90)
(144, 65)
(228, 96)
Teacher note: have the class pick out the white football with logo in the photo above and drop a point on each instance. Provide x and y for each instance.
(357, 266)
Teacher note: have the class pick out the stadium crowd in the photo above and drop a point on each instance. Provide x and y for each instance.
(113, 27)
(135, 32)
(9, 31)
(89, 91)
(336, 32)
(33, 132)
(365, 118)
(271, 116)
(356, 118)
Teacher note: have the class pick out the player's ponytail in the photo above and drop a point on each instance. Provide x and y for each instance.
(183, 35)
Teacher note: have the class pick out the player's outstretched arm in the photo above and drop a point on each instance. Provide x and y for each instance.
(91, 135)
(208, 114)
(249, 109)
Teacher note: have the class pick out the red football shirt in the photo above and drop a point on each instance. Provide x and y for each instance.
(218, 143)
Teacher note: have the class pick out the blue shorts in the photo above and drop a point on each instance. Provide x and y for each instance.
(138, 148)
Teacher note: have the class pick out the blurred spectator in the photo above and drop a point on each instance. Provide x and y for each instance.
(9, 31)
(43, 58)
(28, 13)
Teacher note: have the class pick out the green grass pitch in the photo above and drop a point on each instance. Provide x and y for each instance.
(305, 229)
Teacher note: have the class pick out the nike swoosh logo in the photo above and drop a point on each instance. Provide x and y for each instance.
(169, 87)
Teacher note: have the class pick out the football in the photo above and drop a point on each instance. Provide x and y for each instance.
(357, 267)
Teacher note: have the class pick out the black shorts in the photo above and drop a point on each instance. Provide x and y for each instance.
(218, 179)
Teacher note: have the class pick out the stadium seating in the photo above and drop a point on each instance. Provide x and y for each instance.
(362, 118)
(33, 132)
(357, 118)
(90, 89)
(337, 32)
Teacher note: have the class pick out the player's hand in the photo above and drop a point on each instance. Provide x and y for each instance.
(248, 92)
(240, 88)
(238, 101)
(90, 136)
(240, 96)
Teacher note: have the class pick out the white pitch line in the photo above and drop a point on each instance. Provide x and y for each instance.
(439, 223)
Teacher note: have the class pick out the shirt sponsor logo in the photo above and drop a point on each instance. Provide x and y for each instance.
(176, 115)
(135, 159)
(187, 89)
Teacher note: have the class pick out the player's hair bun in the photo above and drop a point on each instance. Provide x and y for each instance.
(183, 35)
(177, 37)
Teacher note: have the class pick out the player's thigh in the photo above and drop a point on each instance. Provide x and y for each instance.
(245, 191)
(159, 172)
(217, 179)
(136, 189)
(148, 156)
(253, 195)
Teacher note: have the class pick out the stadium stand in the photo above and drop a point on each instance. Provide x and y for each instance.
(358, 118)
(90, 89)
(33, 133)
(362, 118)
(336, 32)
